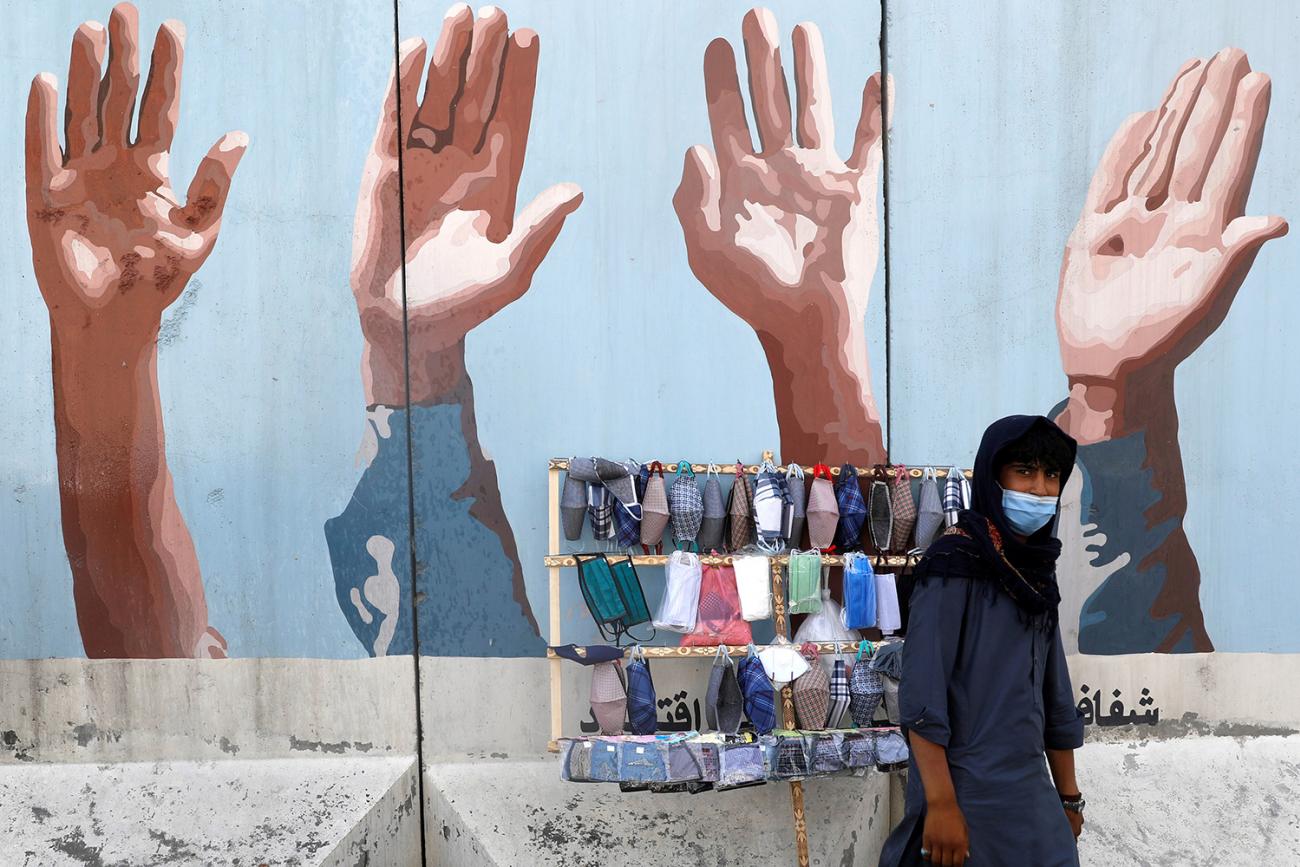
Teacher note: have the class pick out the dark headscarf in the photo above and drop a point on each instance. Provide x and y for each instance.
(982, 544)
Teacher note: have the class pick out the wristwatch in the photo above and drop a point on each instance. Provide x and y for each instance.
(1073, 803)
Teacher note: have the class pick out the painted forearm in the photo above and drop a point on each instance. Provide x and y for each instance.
(1135, 497)
(825, 408)
(469, 577)
(136, 577)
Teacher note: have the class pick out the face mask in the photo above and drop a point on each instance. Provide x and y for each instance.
(1026, 513)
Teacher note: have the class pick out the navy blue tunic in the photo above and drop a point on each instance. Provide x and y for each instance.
(995, 693)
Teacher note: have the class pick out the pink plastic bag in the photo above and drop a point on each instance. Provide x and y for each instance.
(719, 620)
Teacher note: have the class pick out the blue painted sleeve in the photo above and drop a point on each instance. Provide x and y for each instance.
(1117, 499)
(369, 544)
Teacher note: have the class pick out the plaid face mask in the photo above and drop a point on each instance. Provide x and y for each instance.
(600, 508)
(770, 504)
(812, 692)
(797, 513)
(956, 495)
(686, 505)
(759, 696)
(740, 523)
(627, 516)
(853, 509)
(904, 509)
(839, 694)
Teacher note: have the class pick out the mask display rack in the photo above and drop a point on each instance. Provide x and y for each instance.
(557, 561)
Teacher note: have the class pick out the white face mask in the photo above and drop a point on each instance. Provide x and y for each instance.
(782, 663)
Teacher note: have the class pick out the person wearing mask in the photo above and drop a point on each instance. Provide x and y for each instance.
(985, 696)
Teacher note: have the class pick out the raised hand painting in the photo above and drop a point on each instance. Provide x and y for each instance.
(787, 234)
(458, 153)
(1150, 271)
(113, 245)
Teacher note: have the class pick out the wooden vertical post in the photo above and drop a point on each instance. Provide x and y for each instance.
(787, 708)
(553, 639)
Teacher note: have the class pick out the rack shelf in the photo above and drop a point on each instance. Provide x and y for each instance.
(567, 560)
(752, 469)
(708, 652)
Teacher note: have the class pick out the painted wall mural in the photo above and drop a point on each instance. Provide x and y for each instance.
(498, 323)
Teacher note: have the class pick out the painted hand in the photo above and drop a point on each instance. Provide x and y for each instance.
(1162, 245)
(461, 152)
(788, 235)
(111, 243)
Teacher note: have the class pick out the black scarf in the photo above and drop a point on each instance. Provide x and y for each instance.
(982, 545)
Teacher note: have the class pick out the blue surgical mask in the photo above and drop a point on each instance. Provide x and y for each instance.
(1026, 513)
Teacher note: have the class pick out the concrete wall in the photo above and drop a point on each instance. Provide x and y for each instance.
(294, 442)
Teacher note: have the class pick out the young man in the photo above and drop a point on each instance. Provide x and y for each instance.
(985, 695)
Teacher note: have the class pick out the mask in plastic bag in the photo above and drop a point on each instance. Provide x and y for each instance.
(804, 571)
(680, 605)
(754, 584)
(718, 620)
(827, 624)
(859, 593)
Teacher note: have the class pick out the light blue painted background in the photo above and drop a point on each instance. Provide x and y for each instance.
(1003, 111)
(628, 355)
(261, 389)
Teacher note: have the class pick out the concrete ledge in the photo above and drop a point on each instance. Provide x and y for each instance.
(271, 811)
(512, 813)
(78, 710)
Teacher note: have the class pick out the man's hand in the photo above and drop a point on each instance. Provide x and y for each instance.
(787, 235)
(945, 836)
(111, 243)
(1162, 245)
(1076, 822)
(461, 151)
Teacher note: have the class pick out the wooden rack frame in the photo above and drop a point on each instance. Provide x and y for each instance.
(557, 560)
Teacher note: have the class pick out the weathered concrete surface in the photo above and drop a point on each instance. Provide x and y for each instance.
(77, 710)
(1191, 801)
(521, 813)
(331, 811)
(1239, 689)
